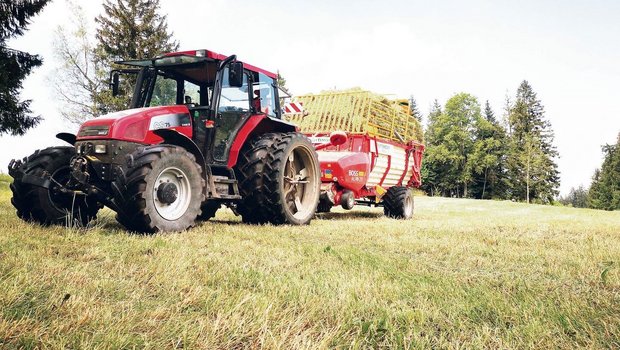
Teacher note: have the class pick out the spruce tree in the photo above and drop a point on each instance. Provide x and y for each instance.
(15, 115)
(605, 188)
(413, 109)
(531, 160)
(133, 29)
(489, 114)
(129, 29)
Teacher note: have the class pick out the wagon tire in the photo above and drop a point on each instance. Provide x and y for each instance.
(398, 203)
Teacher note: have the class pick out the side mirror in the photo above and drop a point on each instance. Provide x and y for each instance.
(235, 74)
(114, 84)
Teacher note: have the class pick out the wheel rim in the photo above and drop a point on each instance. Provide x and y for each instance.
(173, 209)
(300, 181)
(408, 205)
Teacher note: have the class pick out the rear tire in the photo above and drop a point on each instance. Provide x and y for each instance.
(280, 180)
(249, 173)
(163, 190)
(398, 203)
(49, 206)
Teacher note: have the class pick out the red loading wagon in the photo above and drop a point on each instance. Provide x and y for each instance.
(376, 161)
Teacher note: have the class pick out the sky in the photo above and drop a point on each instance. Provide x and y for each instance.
(567, 50)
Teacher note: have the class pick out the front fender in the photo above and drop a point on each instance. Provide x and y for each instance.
(173, 137)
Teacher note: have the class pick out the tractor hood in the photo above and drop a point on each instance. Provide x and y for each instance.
(137, 125)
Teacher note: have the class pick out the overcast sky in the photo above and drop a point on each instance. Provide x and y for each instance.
(567, 50)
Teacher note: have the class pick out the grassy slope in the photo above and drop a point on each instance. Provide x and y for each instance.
(464, 273)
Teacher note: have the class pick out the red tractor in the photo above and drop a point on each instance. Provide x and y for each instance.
(203, 130)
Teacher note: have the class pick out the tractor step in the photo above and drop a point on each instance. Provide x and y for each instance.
(224, 181)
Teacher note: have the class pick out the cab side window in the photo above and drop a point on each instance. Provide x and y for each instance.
(264, 96)
(234, 99)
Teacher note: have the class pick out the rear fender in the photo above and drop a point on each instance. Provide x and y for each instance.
(256, 125)
(173, 137)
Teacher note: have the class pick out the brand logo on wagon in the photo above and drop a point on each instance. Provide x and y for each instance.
(356, 173)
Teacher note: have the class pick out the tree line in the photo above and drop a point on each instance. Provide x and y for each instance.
(604, 191)
(471, 153)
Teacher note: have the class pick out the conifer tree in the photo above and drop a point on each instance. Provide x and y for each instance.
(413, 109)
(605, 189)
(489, 114)
(531, 159)
(133, 29)
(576, 198)
(15, 66)
(129, 29)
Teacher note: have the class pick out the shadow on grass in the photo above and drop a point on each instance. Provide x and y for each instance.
(107, 224)
(350, 215)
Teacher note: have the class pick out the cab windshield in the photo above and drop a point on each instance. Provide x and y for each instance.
(158, 88)
(171, 80)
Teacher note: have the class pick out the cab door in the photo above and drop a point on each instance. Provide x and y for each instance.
(233, 110)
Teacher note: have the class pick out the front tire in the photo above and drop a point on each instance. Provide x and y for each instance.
(398, 203)
(50, 206)
(163, 190)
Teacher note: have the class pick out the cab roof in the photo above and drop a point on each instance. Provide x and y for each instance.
(188, 57)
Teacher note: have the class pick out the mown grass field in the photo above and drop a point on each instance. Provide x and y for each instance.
(462, 274)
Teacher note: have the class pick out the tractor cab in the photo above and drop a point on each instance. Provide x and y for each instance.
(219, 93)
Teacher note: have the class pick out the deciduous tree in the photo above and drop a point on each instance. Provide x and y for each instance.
(487, 160)
(79, 80)
(450, 140)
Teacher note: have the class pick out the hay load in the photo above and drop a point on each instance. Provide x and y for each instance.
(357, 111)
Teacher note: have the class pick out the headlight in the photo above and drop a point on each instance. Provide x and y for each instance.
(100, 149)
